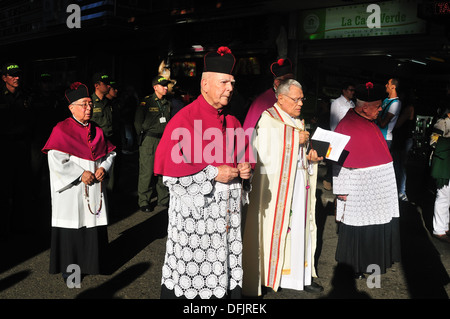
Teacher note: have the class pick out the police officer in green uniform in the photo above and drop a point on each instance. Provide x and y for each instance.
(150, 120)
(15, 137)
(102, 110)
(102, 114)
(115, 105)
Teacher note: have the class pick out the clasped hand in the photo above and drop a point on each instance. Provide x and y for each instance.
(304, 137)
(90, 178)
(227, 173)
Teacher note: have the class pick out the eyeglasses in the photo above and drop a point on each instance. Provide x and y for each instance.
(297, 100)
(84, 105)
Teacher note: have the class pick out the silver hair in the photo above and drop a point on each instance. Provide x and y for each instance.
(284, 86)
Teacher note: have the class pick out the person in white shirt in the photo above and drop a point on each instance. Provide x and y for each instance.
(440, 164)
(341, 105)
(338, 109)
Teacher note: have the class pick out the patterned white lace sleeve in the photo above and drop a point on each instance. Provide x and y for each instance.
(341, 179)
(204, 246)
(372, 194)
(204, 176)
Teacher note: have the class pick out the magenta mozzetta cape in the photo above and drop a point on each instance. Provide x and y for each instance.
(367, 146)
(86, 142)
(197, 136)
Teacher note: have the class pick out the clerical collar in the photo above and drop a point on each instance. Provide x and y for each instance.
(80, 122)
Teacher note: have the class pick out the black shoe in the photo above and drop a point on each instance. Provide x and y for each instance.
(146, 209)
(313, 288)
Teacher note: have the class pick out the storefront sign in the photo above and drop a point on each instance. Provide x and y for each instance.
(395, 17)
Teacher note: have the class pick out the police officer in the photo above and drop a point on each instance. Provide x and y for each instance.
(115, 107)
(102, 114)
(150, 120)
(102, 110)
(15, 134)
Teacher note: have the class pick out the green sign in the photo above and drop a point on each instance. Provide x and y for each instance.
(395, 17)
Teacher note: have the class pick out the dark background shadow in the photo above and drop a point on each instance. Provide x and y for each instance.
(23, 245)
(135, 239)
(322, 212)
(13, 279)
(108, 289)
(344, 284)
(425, 274)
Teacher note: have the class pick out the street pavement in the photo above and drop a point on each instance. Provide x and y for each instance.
(137, 246)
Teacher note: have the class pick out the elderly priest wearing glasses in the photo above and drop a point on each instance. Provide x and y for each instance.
(280, 230)
(79, 157)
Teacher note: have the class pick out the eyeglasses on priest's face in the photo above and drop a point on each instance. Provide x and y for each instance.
(84, 105)
(303, 99)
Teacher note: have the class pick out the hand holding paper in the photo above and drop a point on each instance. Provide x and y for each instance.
(313, 157)
(336, 143)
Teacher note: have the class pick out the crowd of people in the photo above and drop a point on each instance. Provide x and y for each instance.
(240, 194)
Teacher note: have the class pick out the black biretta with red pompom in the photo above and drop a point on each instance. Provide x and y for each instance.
(369, 92)
(76, 91)
(221, 61)
(281, 67)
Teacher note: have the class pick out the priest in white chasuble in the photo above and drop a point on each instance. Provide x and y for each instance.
(280, 231)
(79, 158)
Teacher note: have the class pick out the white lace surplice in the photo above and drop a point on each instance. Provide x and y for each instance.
(372, 194)
(202, 258)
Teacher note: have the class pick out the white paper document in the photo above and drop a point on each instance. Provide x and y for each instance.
(337, 142)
